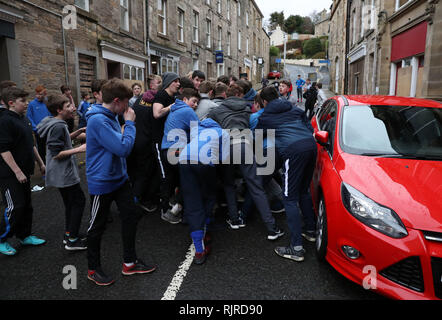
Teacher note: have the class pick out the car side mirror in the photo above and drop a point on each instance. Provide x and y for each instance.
(321, 137)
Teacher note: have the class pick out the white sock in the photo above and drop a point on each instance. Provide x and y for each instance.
(129, 264)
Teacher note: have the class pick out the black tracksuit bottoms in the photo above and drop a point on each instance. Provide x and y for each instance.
(74, 203)
(17, 216)
(129, 215)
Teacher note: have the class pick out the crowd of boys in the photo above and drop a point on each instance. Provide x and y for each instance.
(178, 148)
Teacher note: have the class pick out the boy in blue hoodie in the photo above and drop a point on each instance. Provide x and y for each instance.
(177, 126)
(106, 152)
(209, 145)
(297, 148)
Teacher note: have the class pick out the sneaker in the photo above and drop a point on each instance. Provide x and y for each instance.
(290, 253)
(201, 257)
(309, 235)
(66, 237)
(176, 209)
(277, 207)
(32, 241)
(147, 206)
(273, 235)
(170, 217)
(137, 268)
(7, 249)
(78, 244)
(236, 224)
(99, 277)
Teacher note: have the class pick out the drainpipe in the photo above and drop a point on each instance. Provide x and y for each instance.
(347, 44)
(62, 36)
(149, 71)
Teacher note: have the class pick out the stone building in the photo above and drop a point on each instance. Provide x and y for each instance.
(337, 45)
(322, 27)
(387, 47)
(88, 40)
(187, 35)
(414, 31)
(71, 42)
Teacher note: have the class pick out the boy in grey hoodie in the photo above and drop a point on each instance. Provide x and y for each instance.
(61, 166)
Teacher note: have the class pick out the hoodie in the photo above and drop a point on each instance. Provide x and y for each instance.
(209, 145)
(204, 106)
(36, 112)
(106, 150)
(59, 173)
(179, 117)
(250, 97)
(290, 124)
(232, 113)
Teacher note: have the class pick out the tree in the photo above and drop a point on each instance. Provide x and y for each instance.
(293, 23)
(307, 26)
(312, 46)
(277, 18)
(274, 51)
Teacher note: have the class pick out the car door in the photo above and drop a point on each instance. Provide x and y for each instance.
(325, 121)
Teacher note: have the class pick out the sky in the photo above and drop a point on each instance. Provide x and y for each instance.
(292, 7)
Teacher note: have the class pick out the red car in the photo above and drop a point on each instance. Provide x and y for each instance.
(274, 75)
(377, 192)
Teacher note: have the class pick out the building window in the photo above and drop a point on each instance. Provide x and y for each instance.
(220, 37)
(229, 41)
(162, 17)
(208, 2)
(354, 27)
(83, 4)
(362, 18)
(180, 25)
(401, 3)
(239, 40)
(239, 9)
(218, 6)
(195, 33)
(219, 69)
(208, 33)
(175, 67)
(247, 18)
(124, 11)
(247, 45)
(228, 9)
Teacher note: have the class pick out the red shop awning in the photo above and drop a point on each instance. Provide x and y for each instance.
(409, 43)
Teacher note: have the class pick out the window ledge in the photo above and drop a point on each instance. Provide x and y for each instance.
(86, 14)
(163, 36)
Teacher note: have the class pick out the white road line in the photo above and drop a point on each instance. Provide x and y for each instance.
(179, 276)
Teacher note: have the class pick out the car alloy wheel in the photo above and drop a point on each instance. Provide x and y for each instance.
(321, 230)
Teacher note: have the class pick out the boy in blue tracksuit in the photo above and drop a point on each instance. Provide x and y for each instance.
(297, 148)
(209, 145)
(176, 136)
(299, 84)
(106, 150)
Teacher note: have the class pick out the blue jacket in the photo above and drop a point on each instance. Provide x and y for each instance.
(37, 111)
(290, 124)
(300, 83)
(106, 150)
(209, 144)
(179, 117)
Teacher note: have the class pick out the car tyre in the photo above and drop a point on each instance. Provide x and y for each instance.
(321, 230)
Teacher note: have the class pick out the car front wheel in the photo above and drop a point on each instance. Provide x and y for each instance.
(321, 230)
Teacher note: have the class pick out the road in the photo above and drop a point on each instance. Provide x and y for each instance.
(322, 73)
(242, 265)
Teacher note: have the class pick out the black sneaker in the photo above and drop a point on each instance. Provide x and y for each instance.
(148, 206)
(139, 267)
(66, 238)
(290, 253)
(273, 235)
(236, 224)
(99, 277)
(309, 235)
(78, 244)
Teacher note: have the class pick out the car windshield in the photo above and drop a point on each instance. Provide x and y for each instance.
(393, 131)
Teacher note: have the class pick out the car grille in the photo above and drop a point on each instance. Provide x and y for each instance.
(436, 266)
(432, 236)
(407, 273)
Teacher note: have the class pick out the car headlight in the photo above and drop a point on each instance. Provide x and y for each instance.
(371, 213)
